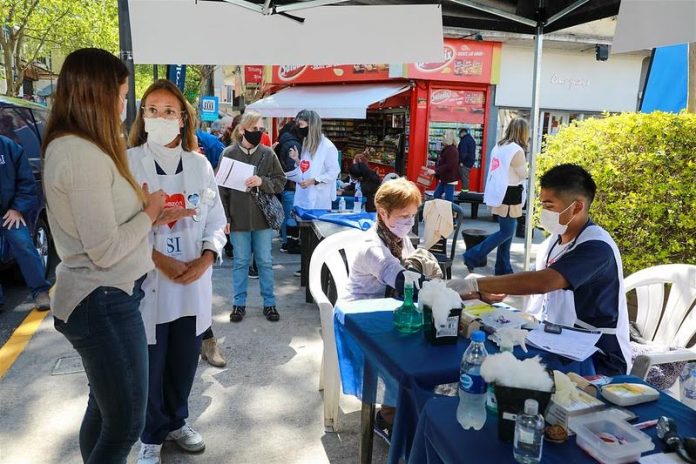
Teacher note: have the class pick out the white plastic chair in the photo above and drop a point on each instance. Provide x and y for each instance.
(328, 253)
(670, 324)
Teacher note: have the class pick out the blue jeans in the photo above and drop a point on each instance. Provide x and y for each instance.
(28, 259)
(107, 331)
(502, 240)
(447, 189)
(288, 200)
(243, 242)
(173, 361)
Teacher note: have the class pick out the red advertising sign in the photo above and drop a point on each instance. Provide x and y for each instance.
(466, 106)
(253, 75)
(308, 74)
(465, 61)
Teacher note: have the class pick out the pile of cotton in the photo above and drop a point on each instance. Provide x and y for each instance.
(504, 369)
(440, 299)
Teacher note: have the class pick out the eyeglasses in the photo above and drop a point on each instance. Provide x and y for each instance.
(167, 112)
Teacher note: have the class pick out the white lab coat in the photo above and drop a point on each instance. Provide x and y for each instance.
(558, 306)
(499, 174)
(323, 167)
(164, 300)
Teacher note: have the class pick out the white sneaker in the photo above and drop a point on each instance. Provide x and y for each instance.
(187, 439)
(149, 454)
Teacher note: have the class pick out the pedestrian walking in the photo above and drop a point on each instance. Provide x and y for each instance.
(467, 156)
(447, 167)
(504, 194)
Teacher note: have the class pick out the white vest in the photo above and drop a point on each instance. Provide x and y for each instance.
(323, 166)
(499, 174)
(558, 306)
(164, 300)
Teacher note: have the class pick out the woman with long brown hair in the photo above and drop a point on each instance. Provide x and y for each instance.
(100, 219)
(504, 194)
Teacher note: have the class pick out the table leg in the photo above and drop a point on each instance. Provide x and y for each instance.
(474, 210)
(367, 415)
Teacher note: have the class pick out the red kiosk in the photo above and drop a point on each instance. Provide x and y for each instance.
(404, 128)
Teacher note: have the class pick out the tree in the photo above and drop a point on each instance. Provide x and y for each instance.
(31, 27)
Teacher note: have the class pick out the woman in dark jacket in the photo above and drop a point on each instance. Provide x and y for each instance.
(447, 168)
(369, 182)
(289, 137)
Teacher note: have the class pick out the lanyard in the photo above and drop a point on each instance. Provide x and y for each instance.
(572, 245)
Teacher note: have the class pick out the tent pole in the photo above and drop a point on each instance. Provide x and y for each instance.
(125, 42)
(535, 131)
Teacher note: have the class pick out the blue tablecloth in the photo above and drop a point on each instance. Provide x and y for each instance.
(408, 364)
(441, 440)
(361, 221)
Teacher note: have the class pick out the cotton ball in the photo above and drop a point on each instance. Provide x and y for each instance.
(505, 369)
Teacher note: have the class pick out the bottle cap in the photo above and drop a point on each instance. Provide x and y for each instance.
(478, 336)
(531, 407)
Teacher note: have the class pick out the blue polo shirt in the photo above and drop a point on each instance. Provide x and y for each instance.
(592, 272)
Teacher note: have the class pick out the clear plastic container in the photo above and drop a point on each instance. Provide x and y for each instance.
(610, 439)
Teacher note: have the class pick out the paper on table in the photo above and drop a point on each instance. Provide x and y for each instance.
(574, 344)
(232, 174)
(660, 458)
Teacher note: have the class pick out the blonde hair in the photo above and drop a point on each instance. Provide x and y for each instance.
(450, 137)
(516, 132)
(189, 141)
(397, 194)
(313, 139)
(248, 119)
(86, 105)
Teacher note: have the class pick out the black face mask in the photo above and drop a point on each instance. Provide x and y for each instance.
(303, 131)
(254, 138)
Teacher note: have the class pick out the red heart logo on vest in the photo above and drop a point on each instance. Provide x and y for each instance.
(176, 200)
(304, 166)
(495, 164)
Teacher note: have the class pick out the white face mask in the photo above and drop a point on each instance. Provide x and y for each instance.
(124, 111)
(161, 131)
(402, 227)
(551, 221)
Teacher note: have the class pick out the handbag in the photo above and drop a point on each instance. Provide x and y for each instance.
(270, 206)
(425, 178)
(513, 195)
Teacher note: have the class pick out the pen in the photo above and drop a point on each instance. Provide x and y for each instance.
(645, 425)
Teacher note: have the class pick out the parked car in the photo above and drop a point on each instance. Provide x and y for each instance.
(24, 122)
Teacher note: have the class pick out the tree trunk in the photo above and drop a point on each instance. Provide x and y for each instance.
(691, 90)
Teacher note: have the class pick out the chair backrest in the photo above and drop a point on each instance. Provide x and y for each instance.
(672, 322)
(331, 252)
(441, 245)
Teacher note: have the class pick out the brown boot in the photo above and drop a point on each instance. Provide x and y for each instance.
(210, 352)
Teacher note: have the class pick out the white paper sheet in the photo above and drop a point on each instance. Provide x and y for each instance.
(232, 174)
(661, 458)
(574, 344)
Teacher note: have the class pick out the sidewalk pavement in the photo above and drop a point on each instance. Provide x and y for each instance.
(264, 407)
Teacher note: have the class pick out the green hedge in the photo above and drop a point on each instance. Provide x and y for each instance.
(645, 169)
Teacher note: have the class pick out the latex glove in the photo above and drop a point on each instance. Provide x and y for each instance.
(414, 278)
(465, 286)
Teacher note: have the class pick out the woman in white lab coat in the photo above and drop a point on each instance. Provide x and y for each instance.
(177, 305)
(316, 168)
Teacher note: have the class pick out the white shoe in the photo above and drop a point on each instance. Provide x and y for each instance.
(149, 454)
(187, 439)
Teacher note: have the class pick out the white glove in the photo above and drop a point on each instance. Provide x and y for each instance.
(464, 286)
(413, 278)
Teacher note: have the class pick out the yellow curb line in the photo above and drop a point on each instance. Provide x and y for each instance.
(11, 350)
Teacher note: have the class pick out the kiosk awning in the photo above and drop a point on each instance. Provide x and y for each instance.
(330, 101)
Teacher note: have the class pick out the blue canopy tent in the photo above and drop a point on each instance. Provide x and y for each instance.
(667, 80)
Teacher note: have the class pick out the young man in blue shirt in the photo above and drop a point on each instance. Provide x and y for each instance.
(578, 279)
(17, 199)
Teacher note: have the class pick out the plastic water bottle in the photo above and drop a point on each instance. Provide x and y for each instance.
(689, 390)
(342, 205)
(529, 432)
(471, 411)
(357, 205)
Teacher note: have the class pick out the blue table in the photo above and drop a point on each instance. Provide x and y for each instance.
(369, 348)
(441, 440)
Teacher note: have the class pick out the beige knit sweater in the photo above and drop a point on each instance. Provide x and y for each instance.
(97, 222)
